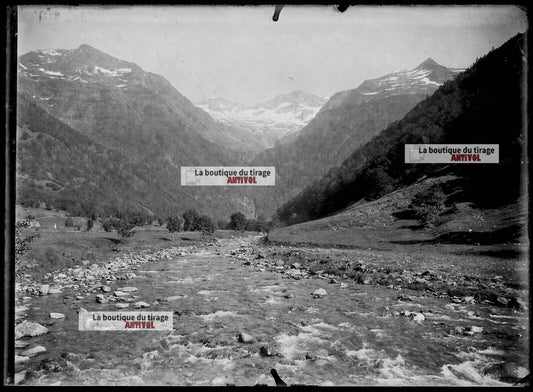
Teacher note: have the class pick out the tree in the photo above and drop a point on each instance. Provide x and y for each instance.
(22, 243)
(90, 224)
(69, 222)
(125, 229)
(237, 222)
(174, 224)
(190, 217)
(205, 225)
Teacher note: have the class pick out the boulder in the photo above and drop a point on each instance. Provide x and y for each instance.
(20, 376)
(141, 304)
(43, 290)
(319, 293)
(34, 351)
(105, 289)
(121, 306)
(21, 344)
(246, 338)
(101, 299)
(57, 315)
(54, 290)
(474, 329)
(27, 328)
(119, 293)
(21, 359)
(418, 317)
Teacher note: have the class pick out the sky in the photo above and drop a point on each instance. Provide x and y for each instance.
(241, 54)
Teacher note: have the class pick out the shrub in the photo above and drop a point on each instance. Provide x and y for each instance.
(428, 204)
(90, 224)
(125, 229)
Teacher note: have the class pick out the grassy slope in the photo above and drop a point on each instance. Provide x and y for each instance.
(385, 224)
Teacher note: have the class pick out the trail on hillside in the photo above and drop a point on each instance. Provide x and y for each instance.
(237, 316)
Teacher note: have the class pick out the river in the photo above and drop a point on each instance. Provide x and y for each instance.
(355, 335)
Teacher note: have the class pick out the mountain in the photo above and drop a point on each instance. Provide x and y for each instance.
(483, 105)
(269, 121)
(130, 112)
(348, 120)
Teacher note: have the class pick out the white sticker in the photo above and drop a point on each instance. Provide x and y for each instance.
(452, 153)
(228, 175)
(124, 321)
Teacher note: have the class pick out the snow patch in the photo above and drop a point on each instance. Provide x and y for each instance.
(50, 72)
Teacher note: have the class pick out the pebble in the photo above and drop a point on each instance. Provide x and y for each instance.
(128, 289)
(502, 301)
(175, 297)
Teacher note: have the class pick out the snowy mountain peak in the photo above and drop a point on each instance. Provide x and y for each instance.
(84, 64)
(277, 117)
(428, 64)
(424, 79)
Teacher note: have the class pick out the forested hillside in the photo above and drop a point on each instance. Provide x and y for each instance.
(481, 105)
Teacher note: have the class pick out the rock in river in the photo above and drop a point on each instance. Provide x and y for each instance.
(101, 299)
(418, 317)
(27, 328)
(119, 293)
(43, 290)
(246, 338)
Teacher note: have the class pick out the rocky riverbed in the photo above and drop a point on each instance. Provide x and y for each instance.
(241, 308)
